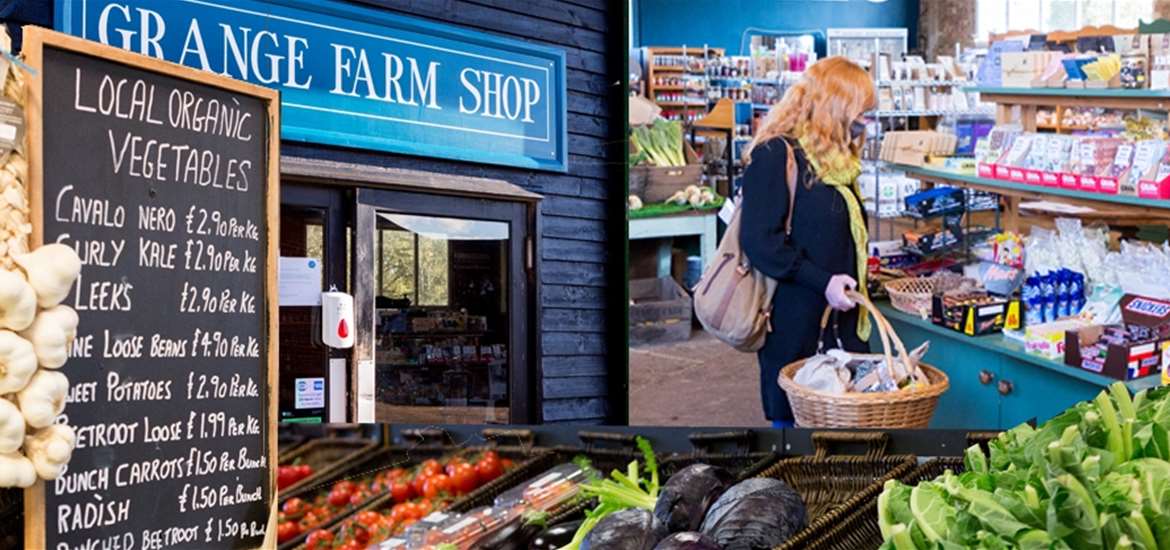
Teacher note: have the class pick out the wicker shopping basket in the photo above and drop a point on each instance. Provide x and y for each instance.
(908, 408)
(913, 294)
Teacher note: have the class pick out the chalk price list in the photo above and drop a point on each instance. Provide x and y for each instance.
(169, 377)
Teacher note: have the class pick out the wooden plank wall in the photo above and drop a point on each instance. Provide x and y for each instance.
(582, 375)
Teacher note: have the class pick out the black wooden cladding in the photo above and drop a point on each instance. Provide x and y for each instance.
(582, 321)
(582, 281)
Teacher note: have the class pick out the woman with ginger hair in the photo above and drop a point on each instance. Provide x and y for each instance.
(819, 123)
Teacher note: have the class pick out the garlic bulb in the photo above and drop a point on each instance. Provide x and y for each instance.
(49, 449)
(51, 335)
(51, 270)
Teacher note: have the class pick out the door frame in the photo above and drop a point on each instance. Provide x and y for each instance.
(335, 205)
(523, 330)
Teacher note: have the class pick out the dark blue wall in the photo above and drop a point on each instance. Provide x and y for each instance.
(720, 23)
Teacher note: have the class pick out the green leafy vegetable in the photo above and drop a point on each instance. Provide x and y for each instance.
(1094, 477)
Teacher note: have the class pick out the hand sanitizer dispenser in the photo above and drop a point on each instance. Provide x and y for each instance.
(337, 319)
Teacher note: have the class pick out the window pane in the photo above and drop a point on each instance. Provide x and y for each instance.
(397, 264)
(441, 355)
(315, 242)
(1060, 15)
(1096, 12)
(1023, 15)
(1130, 12)
(432, 272)
(991, 18)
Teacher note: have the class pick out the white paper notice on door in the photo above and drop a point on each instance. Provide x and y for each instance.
(299, 280)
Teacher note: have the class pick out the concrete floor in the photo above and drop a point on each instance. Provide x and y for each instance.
(700, 382)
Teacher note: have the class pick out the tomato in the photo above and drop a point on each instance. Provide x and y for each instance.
(396, 473)
(352, 545)
(490, 455)
(345, 486)
(301, 471)
(314, 518)
(507, 464)
(358, 497)
(368, 519)
(285, 477)
(464, 479)
(294, 508)
(487, 469)
(416, 484)
(423, 507)
(437, 485)
(337, 499)
(401, 491)
(287, 531)
(431, 467)
(400, 512)
(319, 540)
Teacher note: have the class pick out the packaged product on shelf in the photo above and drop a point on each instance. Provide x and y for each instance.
(1109, 181)
(1048, 339)
(935, 202)
(975, 312)
(1156, 184)
(1146, 156)
(1159, 45)
(1010, 166)
(1056, 159)
(554, 487)
(989, 150)
(1139, 346)
(1037, 159)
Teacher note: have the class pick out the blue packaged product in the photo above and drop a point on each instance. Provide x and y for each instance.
(1062, 296)
(1033, 304)
(1049, 308)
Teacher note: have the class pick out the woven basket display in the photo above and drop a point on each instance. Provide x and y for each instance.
(833, 487)
(913, 294)
(859, 530)
(908, 408)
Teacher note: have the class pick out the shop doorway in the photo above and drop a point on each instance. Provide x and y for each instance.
(445, 282)
(314, 256)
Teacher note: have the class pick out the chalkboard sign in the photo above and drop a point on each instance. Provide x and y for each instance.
(164, 180)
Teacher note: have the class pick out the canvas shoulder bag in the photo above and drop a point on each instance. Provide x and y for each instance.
(733, 300)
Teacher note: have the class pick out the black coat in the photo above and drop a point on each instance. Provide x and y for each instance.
(820, 246)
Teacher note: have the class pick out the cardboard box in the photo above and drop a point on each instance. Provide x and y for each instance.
(1048, 339)
(658, 183)
(979, 319)
(1023, 69)
(1088, 348)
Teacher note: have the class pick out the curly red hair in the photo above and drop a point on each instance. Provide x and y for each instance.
(819, 109)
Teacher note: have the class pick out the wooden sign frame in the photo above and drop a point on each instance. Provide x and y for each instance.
(35, 40)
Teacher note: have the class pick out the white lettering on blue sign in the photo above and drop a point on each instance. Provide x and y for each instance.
(356, 76)
(1149, 307)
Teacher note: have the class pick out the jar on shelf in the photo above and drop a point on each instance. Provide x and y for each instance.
(1133, 70)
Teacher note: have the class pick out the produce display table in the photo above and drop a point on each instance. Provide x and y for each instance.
(701, 223)
(994, 383)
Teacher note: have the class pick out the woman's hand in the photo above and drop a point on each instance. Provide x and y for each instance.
(835, 292)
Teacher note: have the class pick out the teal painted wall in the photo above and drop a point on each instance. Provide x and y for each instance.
(721, 23)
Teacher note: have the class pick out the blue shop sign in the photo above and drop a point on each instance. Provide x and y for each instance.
(358, 77)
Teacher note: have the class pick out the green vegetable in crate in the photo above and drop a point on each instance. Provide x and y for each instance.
(661, 142)
(621, 492)
(1095, 477)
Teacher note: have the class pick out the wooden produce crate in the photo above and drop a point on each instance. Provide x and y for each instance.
(325, 455)
(433, 443)
(660, 312)
(658, 183)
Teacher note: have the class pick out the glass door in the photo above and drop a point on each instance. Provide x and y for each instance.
(445, 287)
(313, 258)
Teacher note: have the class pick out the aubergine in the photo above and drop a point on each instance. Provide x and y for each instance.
(633, 529)
(556, 536)
(688, 540)
(756, 513)
(684, 499)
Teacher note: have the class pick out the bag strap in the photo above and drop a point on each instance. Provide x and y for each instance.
(791, 182)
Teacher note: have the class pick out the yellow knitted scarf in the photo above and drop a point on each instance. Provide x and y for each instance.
(843, 178)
